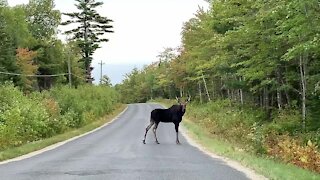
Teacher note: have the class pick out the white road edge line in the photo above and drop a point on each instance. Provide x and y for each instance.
(234, 164)
(56, 145)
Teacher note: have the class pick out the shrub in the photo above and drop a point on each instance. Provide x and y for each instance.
(219, 118)
(84, 104)
(291, 151)
(286, 121)
(23, 119)
(246, 127)
(26, 118)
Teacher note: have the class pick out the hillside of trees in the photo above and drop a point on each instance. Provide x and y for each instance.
(258, 61)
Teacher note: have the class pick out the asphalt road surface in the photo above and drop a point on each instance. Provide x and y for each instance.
(117, 152)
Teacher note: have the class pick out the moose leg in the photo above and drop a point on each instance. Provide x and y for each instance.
(155, 132)
(177, 130)
(147, 129)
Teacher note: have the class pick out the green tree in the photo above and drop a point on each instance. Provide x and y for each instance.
(91, 27)
(3, 3)
(42, 19)
(300, 30)
(7, 49)
(19, 28)
(106, 81)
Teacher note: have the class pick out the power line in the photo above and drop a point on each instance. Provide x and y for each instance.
(50, 75)
(37, 75)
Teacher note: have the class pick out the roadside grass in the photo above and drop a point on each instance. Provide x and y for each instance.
(37, 145)
(270, 168)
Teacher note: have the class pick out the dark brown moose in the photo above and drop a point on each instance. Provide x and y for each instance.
(173, 114)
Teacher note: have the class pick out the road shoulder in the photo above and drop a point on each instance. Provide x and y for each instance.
(59, 140)
(251, 174)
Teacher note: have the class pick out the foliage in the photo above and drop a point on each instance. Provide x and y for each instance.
(34, 27)
(91, 27)
(256, 53)
(26, 64)
(291, 151)
(259, 63)
(244, 126)
(85, 103)
(29, 47)
(23, 119)
(7, 51)
(42, 19)
(27, 118)
(106, 81)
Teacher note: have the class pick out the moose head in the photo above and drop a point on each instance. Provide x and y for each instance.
(183, 104)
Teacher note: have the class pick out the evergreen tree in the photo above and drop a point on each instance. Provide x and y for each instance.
(91, 26)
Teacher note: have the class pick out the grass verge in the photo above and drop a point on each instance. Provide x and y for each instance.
(37, 145)
(270, 168)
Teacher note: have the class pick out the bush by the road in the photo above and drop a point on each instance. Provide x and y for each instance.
(27, 118)
(249, 129)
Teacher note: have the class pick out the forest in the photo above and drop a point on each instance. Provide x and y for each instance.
(45, 83)
(252, 69)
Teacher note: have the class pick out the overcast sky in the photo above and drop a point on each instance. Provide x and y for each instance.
(143, 28)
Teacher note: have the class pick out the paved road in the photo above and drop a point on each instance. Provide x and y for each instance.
(116, 152)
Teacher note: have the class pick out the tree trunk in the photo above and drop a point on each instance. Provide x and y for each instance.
(232, 95)
(241, 96)
(279, 95)
(221, 88)
(279, 100)
(86, 53)
(304, 90)
(206, 88)
(266, 98)
(303, 72)
(213, 92)
(267, 103)
(200, 94)
(241, 92)
(286, 91)
(272, 100)
(261, 99)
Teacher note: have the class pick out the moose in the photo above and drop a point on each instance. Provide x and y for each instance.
(173, 114)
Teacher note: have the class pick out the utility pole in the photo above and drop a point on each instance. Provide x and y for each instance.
(101, 64)
(69, 63)
(69, 68)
